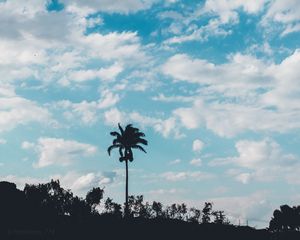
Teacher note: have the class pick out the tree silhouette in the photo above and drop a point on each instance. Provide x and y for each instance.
(285, 219)
(136, 207)
(157, 208)
(207, 211)
(220, 217)
(194, 215)
(113, 208)
(125, 141)
(94, 197)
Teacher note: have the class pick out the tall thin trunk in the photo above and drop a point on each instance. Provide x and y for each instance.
(126, 191)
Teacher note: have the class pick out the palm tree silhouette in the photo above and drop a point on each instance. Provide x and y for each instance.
(125, 141)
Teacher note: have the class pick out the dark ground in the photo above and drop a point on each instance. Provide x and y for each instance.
(108, 228)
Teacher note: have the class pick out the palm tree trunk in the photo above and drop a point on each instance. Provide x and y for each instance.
(126, 191)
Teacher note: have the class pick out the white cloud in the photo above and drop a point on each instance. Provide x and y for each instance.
(256, 154)
(52, 47)
(29, 8)
(178, 64)
(166, 127)
(68, 60)
(113, 117)
(262, 160)
(190, 176)
(196, 162)
(228, 120)
(80, 183)
(285, 93)
(213, 28)
(117, 6)
(84, 181)
(285, 13)
(16, 110)
(122, 46)
(108, 99)
(93, 22)
(174, 162)
(255, 209)
(2, 141)
(290, 29)
(105, 181)
(7, 90)
(227, 9)
(87, 112)
(198, 145)
(161, 191)
(190, 118)
(243, 177)
(57, 151)
(242, 70)
(256, 96)
(27, 145)
(162, 98)
(106, 74)
(222, 13)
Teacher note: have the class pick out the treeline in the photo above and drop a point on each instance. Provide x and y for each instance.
(50, 200)
(48, 211)
(140, 209)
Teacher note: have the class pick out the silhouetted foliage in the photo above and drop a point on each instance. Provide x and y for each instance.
(220, 217)
(113, 208)
(285, 219)
(157, 209)
(206, 212)
(51, 200)
(194, 215)
(47, 211)
(94, 197)
(126, 140)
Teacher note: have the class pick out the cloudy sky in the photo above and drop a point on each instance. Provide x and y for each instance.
(214, 85)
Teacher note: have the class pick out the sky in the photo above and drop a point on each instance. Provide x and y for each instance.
(214, 85)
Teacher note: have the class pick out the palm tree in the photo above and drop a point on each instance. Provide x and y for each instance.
(125, 141)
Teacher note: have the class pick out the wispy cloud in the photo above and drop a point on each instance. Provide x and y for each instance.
(57, 151)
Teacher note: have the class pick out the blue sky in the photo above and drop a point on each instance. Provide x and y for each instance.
(214, 85)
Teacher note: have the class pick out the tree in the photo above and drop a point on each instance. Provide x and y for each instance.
(220, 217)
(136, 207)
(157, 208)
(113, 208)
(171, 211)
(182, 211)
(285, 219)
(146, 211)
(94, 197)
(194, 215)
(49, 197)
(125, 141)
(206, 212)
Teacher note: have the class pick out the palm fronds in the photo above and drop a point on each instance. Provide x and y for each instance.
(127, 139)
